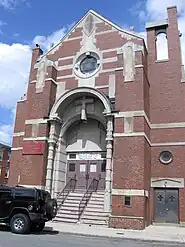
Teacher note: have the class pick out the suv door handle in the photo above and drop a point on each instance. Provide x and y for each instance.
(8, 202)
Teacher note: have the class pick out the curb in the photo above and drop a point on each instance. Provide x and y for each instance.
(120, 236)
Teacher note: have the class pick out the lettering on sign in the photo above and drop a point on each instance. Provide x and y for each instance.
(89, 156)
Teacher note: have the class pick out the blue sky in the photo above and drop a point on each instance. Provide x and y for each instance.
(43, 17)
(25, 22)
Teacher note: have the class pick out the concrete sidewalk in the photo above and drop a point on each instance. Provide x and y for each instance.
(151, 233)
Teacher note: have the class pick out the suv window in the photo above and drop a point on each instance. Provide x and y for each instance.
(25, 194)
(4, 195)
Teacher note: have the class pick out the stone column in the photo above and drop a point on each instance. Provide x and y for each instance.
(59, 176)
(108, 179)
(51, 152)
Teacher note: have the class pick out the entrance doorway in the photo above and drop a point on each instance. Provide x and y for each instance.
(85, 171)
(166, 206)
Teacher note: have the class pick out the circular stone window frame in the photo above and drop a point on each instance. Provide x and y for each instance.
(165, 162)
(78, 61)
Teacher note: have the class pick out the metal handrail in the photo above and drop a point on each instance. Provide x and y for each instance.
(86, 197)
(69, 187)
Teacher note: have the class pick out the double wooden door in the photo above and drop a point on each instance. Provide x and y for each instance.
(85, 171)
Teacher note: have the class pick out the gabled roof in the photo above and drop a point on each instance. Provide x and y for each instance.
(101, 18)
(4, 145)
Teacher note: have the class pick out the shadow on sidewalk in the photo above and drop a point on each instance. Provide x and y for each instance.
(45, 232)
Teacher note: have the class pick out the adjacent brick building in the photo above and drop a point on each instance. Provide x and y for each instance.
(102, 104)
(5, 151)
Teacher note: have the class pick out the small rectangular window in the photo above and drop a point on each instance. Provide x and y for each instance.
(1, 155)
(127, 201)
(7, 172)
(71, 167)
(72, 156)
(9, 155)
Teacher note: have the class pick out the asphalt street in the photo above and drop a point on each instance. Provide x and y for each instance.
(55, 239)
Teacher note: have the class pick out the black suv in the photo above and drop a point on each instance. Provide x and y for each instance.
(26, 209)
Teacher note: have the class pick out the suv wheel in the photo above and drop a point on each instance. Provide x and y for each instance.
(37, 227)
(20, 224)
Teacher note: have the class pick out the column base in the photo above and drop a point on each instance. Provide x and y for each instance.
(107, 201)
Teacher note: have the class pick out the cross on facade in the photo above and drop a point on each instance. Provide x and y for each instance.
(83, 102)
(160, 197)
(172, 198)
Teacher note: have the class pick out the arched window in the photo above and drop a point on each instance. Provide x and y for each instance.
(161, 46)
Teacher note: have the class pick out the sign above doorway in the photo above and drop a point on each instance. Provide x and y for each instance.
(87, 156)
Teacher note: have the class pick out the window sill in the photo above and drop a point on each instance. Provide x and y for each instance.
(162, 61)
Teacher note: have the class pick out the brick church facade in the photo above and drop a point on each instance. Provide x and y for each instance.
(102, 105)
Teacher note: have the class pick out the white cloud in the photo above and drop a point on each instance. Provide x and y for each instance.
(2, 23)
(46, 41)
(15, 67)
(11, 4)
(14, 64)
(6, 134)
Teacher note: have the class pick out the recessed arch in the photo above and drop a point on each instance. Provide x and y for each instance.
(76, 118)
(77, 91)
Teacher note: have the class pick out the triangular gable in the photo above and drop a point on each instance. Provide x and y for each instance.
(101, 18)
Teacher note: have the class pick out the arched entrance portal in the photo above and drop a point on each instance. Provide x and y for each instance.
(86, 153)
(80, 141)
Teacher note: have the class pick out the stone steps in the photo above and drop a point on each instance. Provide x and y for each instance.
(92, 215)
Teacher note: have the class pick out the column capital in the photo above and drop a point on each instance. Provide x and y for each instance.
(51, 142)
(55, 119)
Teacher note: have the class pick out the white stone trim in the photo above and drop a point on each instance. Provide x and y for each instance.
(65, 77)
(168, 125)
(104, 60)
(104, 32)
(129, 192)
(152, 126)
(17, 134)
(109, 59)
(168, 144)
(70, 39)
(34, 81)
(103, 86)
(36, 121)
(139, 66)
(50, 79)
(110, 70)
(127, 217)
(42, 187)
(100, 72)
(103, 51)
(47, 79)
(167, 182)
(41, 138)
(65, 58)
(16, 149)
(133, 134)
(22, 99)
(157, 144)
(64, 67)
